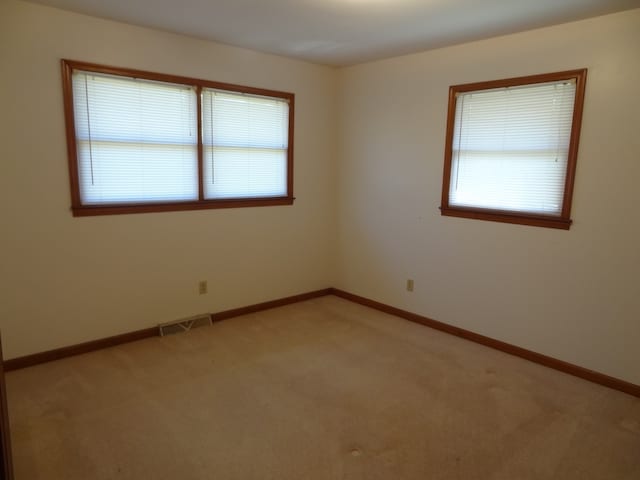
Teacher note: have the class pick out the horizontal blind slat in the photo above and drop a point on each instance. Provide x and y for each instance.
(136, 140)
(510, 148)
(245, 141)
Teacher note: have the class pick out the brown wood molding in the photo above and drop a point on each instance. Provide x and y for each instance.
(94, 210)
(575, 370)
(6, 459)
(78, 209)
(58, 353)
(80, 348)
(571, 369)
(562, 221)
(504, 217)
(258, 307)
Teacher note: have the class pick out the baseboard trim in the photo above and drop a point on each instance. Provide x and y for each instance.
(78, 349)
(571, 369)
(258, 307)
(575, 370)
(86, 347)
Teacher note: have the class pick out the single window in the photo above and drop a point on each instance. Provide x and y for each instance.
(143, 142)
(511, 149)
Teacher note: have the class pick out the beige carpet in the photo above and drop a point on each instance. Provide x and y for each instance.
(324, 389)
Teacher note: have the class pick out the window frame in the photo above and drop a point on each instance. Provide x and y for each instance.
(562, 221)
(79, 209)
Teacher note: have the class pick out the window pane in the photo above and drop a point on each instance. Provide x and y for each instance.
(136, 173)
(510, 148)
(245, 172)
(245, 145)
(136, 140)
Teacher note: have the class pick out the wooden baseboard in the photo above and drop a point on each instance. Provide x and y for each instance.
(236, 312)
(58, 353)
(575, 370)
(80, 348)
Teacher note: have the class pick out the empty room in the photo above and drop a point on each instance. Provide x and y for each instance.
(320, 239)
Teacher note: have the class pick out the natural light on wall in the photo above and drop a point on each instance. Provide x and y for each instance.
(510, 148)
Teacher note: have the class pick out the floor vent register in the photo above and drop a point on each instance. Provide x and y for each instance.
(184, 324)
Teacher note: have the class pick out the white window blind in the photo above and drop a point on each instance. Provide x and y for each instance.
(510, 148)
(136, 140)
(245, 143)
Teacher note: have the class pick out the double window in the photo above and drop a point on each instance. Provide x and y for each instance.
(511, 149)
(141, 141)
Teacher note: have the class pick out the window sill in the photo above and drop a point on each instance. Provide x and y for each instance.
(93, 210)
(508, 217)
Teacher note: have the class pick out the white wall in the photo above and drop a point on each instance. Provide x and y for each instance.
(66, 280)
(573, 295)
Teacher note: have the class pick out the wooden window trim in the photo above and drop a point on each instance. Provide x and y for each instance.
(79, 210)
(562, 221)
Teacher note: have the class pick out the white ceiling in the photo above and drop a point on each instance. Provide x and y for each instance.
(343, 32)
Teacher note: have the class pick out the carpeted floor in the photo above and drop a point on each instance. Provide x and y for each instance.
(324, 389)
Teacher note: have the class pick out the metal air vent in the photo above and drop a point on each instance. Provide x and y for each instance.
(185, 324)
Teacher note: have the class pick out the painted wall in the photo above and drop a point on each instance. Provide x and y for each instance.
(573, 295)
(66, 280)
